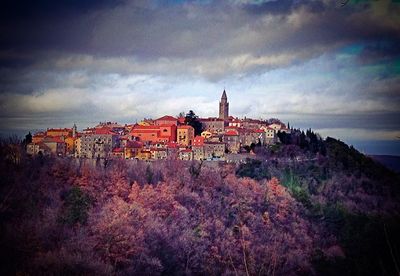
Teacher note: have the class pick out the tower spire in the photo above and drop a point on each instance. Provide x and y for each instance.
(224, 107)
(224, 95)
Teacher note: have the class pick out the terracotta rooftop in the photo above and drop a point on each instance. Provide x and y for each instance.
(145, 131)
(140, 127)
(118, 150)
(231, 133)
(185, 126)
(158, 149)
(167, 125)
(167, 118)
(259, 131)
(172, 145)
(53, 139)
(103, 131)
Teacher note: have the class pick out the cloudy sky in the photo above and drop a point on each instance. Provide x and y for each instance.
(313, 63)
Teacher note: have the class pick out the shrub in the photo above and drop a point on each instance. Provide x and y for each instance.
(75, 208)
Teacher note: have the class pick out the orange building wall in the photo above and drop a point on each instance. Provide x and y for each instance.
(70, 142)
(168, 131)
(185, 135)
(154, 134)
(59, 132)
(146, 135)
(36, 139)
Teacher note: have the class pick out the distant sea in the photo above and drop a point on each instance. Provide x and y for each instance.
(390, 161)
(376, 147)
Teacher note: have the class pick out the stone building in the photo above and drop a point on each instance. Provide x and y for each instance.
(270, 135)
(251, 123)
(198, 148)
(158, 153)
(56, 145)
(185, 154)
(232, 141)
(214, 150)
(251, 136)
(97, 145)
(213, 125)
(224, 107)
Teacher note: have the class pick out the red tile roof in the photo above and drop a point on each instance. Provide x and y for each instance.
(104, 131)
(157, 149)
(185, 127)
(167, 125)
(145, 127)
(231, 133)
(198, 141)
(118, 150)
(145, 131)
(167, 118)
(53, 139)
(172, 145)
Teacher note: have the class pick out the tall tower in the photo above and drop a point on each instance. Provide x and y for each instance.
(74, 130)
(224, 107)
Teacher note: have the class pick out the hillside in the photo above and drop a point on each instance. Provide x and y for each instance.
(294, 210)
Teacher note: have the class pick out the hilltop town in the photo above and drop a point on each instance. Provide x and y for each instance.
(182, 137)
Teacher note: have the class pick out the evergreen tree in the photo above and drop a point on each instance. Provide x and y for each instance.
(28, 138)
(193, 120)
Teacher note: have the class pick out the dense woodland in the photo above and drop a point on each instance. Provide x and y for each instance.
(304, 207)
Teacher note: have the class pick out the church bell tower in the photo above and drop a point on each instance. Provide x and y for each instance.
(224, 107)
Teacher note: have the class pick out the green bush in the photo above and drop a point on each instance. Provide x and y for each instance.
(253, 169)
(75, 208)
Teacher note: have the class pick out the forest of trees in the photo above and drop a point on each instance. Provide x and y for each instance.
(335, 212)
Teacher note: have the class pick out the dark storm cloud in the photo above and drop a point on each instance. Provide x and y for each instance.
(376, 51)
(282, 6)
(21, 10)
(149, 31)
(209, 40)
